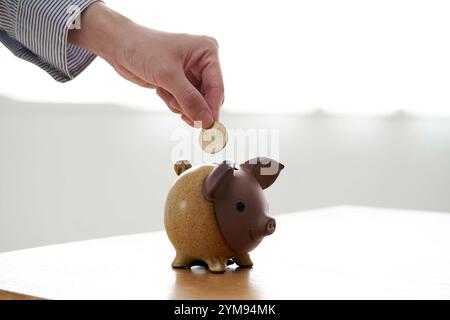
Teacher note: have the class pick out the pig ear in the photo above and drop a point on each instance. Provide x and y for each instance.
(214, 178)
(181, 166)
(265, 170)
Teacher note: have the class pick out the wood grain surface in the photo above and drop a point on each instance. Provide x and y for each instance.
(334, 253)
(5, 295)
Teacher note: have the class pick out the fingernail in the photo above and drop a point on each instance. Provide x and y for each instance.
(187, 120)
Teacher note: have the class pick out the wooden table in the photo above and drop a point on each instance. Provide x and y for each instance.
(334, 253)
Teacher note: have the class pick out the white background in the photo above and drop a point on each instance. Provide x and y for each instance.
(286, 56)
(76, 171)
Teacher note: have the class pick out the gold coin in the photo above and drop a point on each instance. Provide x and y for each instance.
(214, 139)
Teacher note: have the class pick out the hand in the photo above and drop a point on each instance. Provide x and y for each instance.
(184, 69)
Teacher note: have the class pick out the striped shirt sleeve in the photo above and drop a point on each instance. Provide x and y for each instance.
(37, 30)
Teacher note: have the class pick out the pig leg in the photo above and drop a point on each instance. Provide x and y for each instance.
(217, 265)
(243, 260)
(181, 261)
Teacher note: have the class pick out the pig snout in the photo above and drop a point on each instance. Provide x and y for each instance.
(266, 229)
(270, 227)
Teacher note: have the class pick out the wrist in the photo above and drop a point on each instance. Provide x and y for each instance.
(100, 31)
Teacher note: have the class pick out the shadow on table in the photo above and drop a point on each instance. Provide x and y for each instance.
(199, 283)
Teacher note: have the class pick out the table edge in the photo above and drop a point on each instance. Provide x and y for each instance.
(8, 295)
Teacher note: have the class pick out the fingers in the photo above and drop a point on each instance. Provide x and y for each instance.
(187, 120)
(173, 105)
(191, 101)
(213, 88)
(169, 100)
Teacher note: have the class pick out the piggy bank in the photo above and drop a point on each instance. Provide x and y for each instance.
(215, 214)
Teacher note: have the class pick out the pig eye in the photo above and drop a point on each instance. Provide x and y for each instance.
(240, 206)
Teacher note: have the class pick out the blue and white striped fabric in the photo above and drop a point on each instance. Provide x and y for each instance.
(36, 31)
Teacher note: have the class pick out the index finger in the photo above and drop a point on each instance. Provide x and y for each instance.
(191, 100)
(213, 87)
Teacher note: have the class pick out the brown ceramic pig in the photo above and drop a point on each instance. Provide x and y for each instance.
(216, 214)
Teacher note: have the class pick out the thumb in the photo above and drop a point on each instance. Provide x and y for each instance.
(192, 102)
